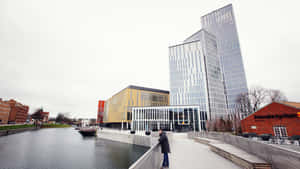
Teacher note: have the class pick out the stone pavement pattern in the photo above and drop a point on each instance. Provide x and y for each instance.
(188, 154)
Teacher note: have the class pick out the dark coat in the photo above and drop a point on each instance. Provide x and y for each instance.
(164, 143)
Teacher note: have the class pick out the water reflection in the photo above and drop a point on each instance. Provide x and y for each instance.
(65, 149)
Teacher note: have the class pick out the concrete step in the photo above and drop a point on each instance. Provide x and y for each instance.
(236, 155)
(205, 141)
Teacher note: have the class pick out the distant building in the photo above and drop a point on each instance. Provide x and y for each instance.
(100, 112)
(45, 117)
(195, 75)
(279, 119)
(18, 112)
(4, 112)
(118, 108)
(222, 24)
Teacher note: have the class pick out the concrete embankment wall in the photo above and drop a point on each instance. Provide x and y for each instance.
(13, 131)
(280, 158)
(146, 141)
(150, 160)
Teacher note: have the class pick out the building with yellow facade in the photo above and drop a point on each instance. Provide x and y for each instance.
(117, 109)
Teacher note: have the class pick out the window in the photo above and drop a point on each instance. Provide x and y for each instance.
(129, 116)
(280, 131)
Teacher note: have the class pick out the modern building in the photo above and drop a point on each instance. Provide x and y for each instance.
(18, 112)
(100, 112)
(195, 75)
(117, 109)
(171, 118)
(279, 119)
(222, 24)
(206, 74)
(4, 112)
(206, 78)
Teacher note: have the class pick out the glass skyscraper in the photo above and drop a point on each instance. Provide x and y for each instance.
(221, 23)
(195, 74)
(206, 77)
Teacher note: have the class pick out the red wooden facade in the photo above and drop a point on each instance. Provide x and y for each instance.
(275, 118)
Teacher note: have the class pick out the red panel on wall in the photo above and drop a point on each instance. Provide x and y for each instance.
(100, 112)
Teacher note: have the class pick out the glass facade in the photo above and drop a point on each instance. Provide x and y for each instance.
(171, 118)
(221, 23)
(195, 74)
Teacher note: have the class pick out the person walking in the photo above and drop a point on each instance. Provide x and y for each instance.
(165, 148)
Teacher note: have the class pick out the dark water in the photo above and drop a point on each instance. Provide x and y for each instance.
(64, 149)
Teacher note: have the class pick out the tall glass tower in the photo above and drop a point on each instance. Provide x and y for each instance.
(195, 75)
(221, 23)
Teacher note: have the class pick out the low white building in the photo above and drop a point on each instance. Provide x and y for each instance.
(171, 118)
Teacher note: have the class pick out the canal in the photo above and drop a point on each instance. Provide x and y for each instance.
(65, 148)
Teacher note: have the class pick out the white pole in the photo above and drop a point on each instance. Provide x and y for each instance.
(122, 125)
(173, 116)
(188, 116)
(194, 120)
(199, 120)
(137, 119)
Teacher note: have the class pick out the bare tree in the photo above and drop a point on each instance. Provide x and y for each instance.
(276, 96)
(244, 103)
(257, 97)
(250, 102)
(62, 118)
(37, 115)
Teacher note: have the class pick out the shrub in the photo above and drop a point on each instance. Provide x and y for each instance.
(147, 133)
(295, 137)
(265, 137)
(11, 127)
(56, 125)
(249, 135)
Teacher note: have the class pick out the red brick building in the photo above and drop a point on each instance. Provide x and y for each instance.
(100, 111)
(18, 112)
(45, 117)
(4, 112)
(279, 119)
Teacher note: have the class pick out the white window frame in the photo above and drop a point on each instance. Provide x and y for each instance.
(280, 131)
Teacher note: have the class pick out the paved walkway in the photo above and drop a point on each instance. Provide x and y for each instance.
(188, 154)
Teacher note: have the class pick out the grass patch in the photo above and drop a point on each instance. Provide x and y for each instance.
(56, 125)
(16, 126)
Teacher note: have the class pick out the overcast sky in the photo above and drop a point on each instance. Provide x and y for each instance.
(65, 55)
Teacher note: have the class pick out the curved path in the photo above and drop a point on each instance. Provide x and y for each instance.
(188, 154)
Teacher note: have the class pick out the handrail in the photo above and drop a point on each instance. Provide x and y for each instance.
(144, 156)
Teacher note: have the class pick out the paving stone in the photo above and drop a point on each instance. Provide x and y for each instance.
(188, 154)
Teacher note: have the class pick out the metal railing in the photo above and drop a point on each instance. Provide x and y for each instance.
(150, 160)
